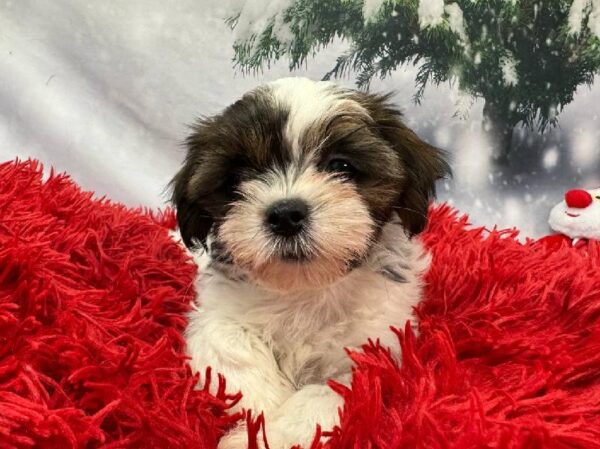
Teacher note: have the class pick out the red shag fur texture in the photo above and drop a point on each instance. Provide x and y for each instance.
(92, 304)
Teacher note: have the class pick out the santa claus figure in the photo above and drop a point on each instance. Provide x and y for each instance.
(578, 216)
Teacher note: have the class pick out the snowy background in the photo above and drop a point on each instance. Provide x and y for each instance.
(104, 91)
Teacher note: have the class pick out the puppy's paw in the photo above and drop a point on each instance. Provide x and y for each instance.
(281, 439)
(237, 438)
(277, 438)
(296, 421)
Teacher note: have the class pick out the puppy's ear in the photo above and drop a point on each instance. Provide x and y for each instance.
(194, 221)
(423, 164)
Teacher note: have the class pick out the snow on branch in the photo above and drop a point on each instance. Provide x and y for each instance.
(456, 21)
(371, 8)
(257, 15)
(431, 13)
(582, 9)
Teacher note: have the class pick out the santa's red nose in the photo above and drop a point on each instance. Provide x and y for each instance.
(579, 199)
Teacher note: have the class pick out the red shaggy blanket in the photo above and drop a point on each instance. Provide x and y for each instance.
(92, 305)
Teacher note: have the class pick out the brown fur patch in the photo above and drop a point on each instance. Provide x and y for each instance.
(242, 142)
(422, 163)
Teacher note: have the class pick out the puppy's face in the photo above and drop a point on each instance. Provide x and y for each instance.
(293, 182)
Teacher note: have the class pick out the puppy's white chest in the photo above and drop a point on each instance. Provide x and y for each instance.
(305, 334)
(308, 333)
(310, 362)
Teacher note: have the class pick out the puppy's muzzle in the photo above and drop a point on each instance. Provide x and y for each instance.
(287, 218)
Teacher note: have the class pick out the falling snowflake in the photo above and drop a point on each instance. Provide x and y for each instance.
(509, 71)
(550, 159)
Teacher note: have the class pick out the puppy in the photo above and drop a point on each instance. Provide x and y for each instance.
(302, 199)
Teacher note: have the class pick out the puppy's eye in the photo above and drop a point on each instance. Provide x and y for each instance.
(598, 197)
(342, 167)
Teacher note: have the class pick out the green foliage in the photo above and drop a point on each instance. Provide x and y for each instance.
(550, 62)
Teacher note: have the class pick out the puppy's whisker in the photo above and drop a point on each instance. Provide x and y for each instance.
(424, 215)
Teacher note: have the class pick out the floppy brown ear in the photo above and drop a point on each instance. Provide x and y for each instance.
(194, 221)
(423, 163)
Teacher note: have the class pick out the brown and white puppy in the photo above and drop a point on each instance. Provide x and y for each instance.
(302, 199)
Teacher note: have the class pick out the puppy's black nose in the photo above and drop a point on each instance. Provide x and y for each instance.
(287, 217)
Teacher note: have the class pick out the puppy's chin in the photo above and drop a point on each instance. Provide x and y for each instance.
(315, 267)
(287, 275)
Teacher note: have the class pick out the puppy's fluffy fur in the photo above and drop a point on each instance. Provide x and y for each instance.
(278, 306)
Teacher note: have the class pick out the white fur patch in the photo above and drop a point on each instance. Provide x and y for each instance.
(310, 102)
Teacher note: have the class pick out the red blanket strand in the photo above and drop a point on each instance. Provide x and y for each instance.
(92, 306)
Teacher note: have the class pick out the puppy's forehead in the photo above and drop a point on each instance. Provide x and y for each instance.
(310, 106)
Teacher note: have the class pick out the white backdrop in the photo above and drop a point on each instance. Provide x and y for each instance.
(104, 90)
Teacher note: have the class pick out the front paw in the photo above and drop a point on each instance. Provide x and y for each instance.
(278, 439)
(237, 438)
